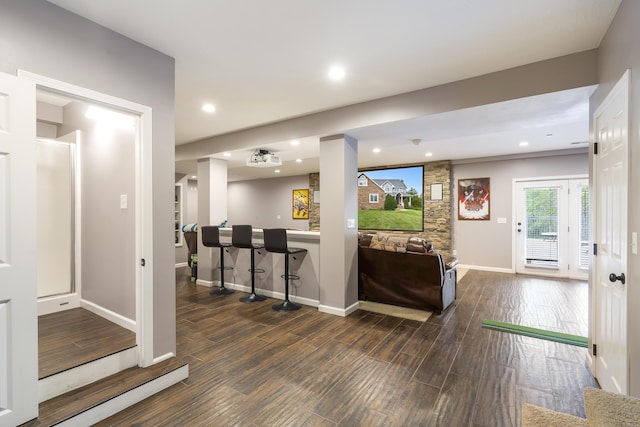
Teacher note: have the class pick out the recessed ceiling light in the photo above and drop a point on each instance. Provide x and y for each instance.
(295, 142)
(208, 108)
(549, 135)
(524, 144)
(227, 154)
(276, 171)
(298, 160)
(428, 154)
(336, 73)
(194, 177)
(376, 150)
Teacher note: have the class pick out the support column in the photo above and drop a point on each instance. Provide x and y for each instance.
(338, 225)
(212, 210)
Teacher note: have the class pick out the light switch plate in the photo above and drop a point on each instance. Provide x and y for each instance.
(123, 201)
(634, 243)
(502, 220)
(351, 223)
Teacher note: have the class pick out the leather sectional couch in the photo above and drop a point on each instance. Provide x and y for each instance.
(405, 270)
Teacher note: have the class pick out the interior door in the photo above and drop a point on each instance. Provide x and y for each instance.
(611, 122)
(18, 306)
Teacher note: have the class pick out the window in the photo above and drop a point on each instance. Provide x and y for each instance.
(387, 188)
(373, 198)
(362, 181)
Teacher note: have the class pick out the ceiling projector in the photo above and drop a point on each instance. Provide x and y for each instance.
(263, 159)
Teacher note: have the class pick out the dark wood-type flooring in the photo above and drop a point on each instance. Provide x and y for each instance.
(252, 366)
(73, 337)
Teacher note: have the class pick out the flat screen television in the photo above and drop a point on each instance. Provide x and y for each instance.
(391, 199)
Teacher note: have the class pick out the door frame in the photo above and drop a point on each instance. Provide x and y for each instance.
(514, 208)
(143, 200)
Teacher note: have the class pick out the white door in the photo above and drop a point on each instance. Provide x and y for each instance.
(552, 228)
(611, 123)
(18, 306)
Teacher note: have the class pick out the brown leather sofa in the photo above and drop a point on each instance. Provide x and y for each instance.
(405, 271)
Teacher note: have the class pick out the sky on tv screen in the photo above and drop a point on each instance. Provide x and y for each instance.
(412, 176)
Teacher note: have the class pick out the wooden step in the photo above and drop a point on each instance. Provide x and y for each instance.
(101, 399)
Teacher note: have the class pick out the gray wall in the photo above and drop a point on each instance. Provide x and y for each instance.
(259, 202)
(619, 51)
(487, 243)
(107, 165)
(39, 37)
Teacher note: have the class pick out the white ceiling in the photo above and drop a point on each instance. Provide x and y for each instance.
(261, 62)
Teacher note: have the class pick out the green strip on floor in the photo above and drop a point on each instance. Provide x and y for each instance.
(536, 333)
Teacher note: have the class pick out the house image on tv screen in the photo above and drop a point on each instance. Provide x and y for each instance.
(372, 192)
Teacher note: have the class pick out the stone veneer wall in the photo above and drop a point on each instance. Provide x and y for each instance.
(314, 208)
(437, 213)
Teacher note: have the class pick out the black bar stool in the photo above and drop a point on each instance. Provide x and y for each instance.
(211, 239)
(275, 240)
(241, 238)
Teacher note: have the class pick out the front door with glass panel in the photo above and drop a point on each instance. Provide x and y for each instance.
(552, 228)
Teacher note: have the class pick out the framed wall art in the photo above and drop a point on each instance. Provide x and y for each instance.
(474, 201)
(300, 204)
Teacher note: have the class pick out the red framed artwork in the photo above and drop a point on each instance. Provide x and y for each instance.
(474, 202)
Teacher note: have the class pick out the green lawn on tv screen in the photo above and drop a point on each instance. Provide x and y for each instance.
(400, 219)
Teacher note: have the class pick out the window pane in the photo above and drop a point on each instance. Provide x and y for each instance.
(541, 227)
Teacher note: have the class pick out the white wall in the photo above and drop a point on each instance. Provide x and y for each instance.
(487, 243)
(265, 203)
(107, 156)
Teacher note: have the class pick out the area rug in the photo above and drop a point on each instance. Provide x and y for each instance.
(536, 333)
(394, 310)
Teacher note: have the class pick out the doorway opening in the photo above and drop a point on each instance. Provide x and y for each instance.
(112, 215)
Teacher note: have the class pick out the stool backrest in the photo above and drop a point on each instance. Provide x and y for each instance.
(241, 236)
(275, 240)
(211, 236)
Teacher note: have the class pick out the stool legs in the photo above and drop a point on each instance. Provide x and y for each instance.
(286, 305)
(221, 290)
(253, 297)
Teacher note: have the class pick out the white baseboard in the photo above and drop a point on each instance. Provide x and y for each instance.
(109, 315)
(48, 305)
(343, 312)
(207, 283)
(266, 292)
(485, 268)
(182, 264)
(591, 363)
(79, 376)
(163, 357)
(125, 400)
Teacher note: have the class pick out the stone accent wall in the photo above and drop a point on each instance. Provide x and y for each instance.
(437, 213)
(314, 208)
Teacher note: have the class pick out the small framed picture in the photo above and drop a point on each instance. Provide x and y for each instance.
(436, 191)
(300, 204)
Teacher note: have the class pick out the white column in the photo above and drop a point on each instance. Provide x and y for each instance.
(338, 224)
(212, 209)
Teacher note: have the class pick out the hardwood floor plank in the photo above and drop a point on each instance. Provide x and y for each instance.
(436, 365)
(415, 405)
(456, 401)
